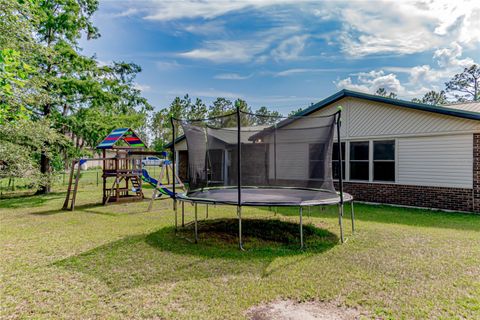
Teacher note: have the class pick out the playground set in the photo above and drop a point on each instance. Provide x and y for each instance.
(124, 173)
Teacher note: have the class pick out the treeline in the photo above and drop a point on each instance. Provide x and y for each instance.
(185, 108)
(463, 87)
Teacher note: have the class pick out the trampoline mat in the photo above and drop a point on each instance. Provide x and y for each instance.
(265, 196)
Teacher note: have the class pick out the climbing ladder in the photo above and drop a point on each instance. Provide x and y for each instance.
(136, 184)
(69, 203)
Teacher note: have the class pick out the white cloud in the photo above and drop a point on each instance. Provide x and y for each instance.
(289, 72)
(290, 49)
(450, 57)
(370, 82)
(368, 27)
(221, 51)
(127, 13)
(405, 27)
(232, 76)
(257, 45)
(422, 78)
(167, 65)
(206, 9)
(142, 87)
(206, 29)
(207, 93)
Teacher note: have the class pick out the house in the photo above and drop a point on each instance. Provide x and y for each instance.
(398, 152)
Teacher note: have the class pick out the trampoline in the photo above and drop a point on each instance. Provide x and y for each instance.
(254, 196)
(245, 159)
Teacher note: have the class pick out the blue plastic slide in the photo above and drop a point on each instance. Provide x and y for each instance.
(152, 181)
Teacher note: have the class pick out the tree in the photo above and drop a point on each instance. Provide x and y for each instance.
(433, 98)
(161, 126)
(23, 141)
(198, 110)
(64, 82)
(295, 112)
(44, 79)
(59, 26)
(220, 108)
(17, 45)
(266, 117)
(13, 74)
(466, 85)
(384, 93)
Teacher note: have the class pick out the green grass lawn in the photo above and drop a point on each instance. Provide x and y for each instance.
(120, 261)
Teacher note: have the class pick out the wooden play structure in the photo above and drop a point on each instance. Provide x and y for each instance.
(122, 171)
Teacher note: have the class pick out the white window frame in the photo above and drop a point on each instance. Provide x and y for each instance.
(368, 160)
(394, 160)
(346, 174)
(344, 159)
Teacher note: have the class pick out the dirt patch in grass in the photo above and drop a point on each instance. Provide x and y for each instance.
(291, 310)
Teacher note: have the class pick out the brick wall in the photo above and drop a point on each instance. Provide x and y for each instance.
(418, 196)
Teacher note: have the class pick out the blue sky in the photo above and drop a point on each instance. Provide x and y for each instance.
(287, 54)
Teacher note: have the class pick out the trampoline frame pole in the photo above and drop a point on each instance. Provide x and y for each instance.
(183, 214)
(239, 181)
(352, 215)
(196, 224)
(340, 222)
(206, 212)
(301, 227)
(340, 171)
(176, 214)
(173, 173)
(240, 242)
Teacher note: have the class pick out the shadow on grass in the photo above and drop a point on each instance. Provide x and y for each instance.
(29, 201)
(83, 207)
(395, 215)
(164, 256)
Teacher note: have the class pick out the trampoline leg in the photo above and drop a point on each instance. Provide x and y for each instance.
(301, 228)
(340, 222)
(352, 214)
(276, 211)
(196, 224)
(183, 214)
(206, 212)
(175, 209)
(239, 214)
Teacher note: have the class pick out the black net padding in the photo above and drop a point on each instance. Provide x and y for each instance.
(275, 153)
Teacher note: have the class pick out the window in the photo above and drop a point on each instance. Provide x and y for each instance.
(316, 160)
(359, 164)
(335, 166)
(384, 160)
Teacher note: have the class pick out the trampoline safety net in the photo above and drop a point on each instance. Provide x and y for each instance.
(245, 158)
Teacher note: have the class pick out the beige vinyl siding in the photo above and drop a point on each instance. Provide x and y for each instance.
(292, 161)
(443, 161)
(362, 118)
(182, 145)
